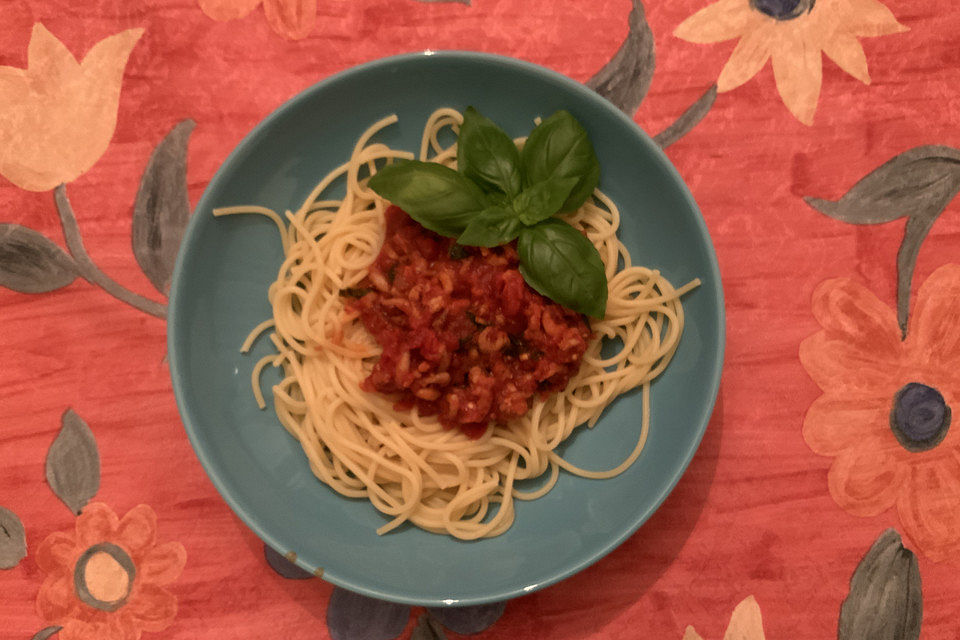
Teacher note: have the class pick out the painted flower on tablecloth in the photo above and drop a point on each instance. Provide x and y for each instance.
(105, 580)
(292, 19)
(746, 623)
(792, 33)
(58, 115)
(886, 411)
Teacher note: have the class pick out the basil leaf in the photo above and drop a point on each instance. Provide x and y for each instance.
(487, 155)
(491, 228)
(542, 200)
(562, 264)
(560, 147)
(436, 196)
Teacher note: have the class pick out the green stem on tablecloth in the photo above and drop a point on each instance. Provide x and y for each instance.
(90, 271)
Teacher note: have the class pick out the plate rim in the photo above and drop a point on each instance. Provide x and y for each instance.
(304, 95)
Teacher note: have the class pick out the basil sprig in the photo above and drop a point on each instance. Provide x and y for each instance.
(436, 196)
(562, 264)
(559, 148)
(498, 195)
(492, 227)
(487, 155)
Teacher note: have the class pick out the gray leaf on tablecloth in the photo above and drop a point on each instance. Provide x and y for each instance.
(624, 80)
(13, 539)
(428, 628)
(30, 262)
(284, 565)
(73, 463)
(43, 634)
(351, 616)
(885, 600)
(688, 120)
(162, 207)
(917, 184)
(468, 620)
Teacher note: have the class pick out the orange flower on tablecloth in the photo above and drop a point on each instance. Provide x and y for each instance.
(292, 19)
(105, 580)
(745, 623)
(792, 33)
(885, 414)
(57, 116)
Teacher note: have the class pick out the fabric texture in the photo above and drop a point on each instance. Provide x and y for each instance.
(820, 141)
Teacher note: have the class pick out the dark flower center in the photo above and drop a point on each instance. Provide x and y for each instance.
(783, 9)
(919, 418)
(103, 576)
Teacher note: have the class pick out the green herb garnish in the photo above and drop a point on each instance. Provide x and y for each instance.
(492, 227)
(562, 264)
(500, 194)
(487, 155)
(559, 148)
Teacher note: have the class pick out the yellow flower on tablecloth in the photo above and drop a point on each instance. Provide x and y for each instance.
(792, 33)
(105, 580)
(58, 115)
(292, 19)
(745, 623)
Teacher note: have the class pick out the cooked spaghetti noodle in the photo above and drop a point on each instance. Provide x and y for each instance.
(408, 466)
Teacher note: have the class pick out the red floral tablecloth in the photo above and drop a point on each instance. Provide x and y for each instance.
(821, 140)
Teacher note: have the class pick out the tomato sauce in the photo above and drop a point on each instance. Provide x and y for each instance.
(463, 336)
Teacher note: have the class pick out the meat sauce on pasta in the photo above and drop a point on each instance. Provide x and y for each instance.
(464, 338)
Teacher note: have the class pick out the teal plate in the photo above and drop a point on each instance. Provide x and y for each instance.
(219, 294)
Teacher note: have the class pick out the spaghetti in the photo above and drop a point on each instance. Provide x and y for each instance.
(408, 466)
